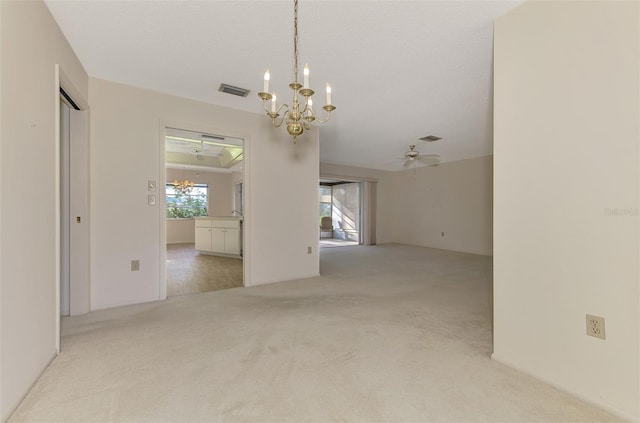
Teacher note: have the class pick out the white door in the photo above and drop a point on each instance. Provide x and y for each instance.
(217, 240)
(203, 239)
(64, 209)
(74, 207)
(79, 212)
(232, 241)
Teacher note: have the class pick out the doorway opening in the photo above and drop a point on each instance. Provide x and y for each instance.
(340, 213)
(203, 211)
(73, 208)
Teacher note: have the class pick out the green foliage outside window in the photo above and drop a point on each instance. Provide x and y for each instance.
(185, 202)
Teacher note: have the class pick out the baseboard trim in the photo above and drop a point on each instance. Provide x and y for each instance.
(125, 303)
(598, 403)
(268, 282)
(24, 395)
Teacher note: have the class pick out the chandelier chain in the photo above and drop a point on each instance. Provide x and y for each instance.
(295, 41)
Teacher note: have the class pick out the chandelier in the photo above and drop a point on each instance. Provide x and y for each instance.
(183, 185)
(298, 117)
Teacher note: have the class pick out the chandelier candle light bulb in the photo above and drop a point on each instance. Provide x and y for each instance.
(299, 115)
(267, 76)
(306, 76)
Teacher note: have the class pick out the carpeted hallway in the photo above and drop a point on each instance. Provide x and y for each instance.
(388, 334)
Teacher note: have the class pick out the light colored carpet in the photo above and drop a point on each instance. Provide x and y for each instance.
(189, 272)
(387, 334)
(335, 242)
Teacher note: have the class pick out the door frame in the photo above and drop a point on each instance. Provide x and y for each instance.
(63, 81)
(368, 205)
(160, 192)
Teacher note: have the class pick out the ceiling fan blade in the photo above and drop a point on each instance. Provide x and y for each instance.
(429, 160)
(406, 163)
(428, 156)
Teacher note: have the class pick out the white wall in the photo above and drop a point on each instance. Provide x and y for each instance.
(220, 204)
(566, 197)
(31, 45)
(454, 198)
(125, 134)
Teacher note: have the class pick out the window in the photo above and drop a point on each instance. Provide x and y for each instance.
(238, 199)
(186, 202)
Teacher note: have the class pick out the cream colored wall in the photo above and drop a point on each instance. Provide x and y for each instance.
(235, 178)
(126, 123)
(454, 198)
(384, 201)
(31, 45)
(181, 231)
(220, 194)
(567, 196)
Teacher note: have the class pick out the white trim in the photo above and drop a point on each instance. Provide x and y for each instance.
(608, 407)
(61, 80)
(163, 124)
(346, 178)
(56, 154)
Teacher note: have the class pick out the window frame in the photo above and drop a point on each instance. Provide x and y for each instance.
(167, 195)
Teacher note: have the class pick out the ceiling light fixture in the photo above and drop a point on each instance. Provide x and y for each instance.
(298, 117)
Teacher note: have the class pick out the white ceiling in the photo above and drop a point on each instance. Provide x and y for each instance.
(400, 70)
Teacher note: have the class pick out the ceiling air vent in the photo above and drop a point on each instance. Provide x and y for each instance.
(207, 137)
(230, 89)
(430, 138)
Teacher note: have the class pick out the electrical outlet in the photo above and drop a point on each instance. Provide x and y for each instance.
(309, 250)
(595, 326)
(135, 265)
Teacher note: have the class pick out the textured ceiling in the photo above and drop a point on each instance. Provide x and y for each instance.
(400, 70)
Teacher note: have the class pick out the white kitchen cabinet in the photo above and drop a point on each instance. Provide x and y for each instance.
(232, 241)
(203, 234)
(221, 236)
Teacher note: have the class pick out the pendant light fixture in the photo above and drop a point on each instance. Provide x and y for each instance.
(299, 115)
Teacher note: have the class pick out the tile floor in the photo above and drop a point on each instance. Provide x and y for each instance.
(189, 272)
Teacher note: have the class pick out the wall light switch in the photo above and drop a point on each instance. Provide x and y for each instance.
(151, 185)
(151, 199)
(309, 250)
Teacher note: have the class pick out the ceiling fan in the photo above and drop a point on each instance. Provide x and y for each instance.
(196, 152)
(414, 156)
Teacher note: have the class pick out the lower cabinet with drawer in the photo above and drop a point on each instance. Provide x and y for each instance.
(219, 236)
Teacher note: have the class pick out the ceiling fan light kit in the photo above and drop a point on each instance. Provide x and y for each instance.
(414, 156)
(298, 116)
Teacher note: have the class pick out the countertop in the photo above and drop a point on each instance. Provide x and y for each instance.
(218, 218)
